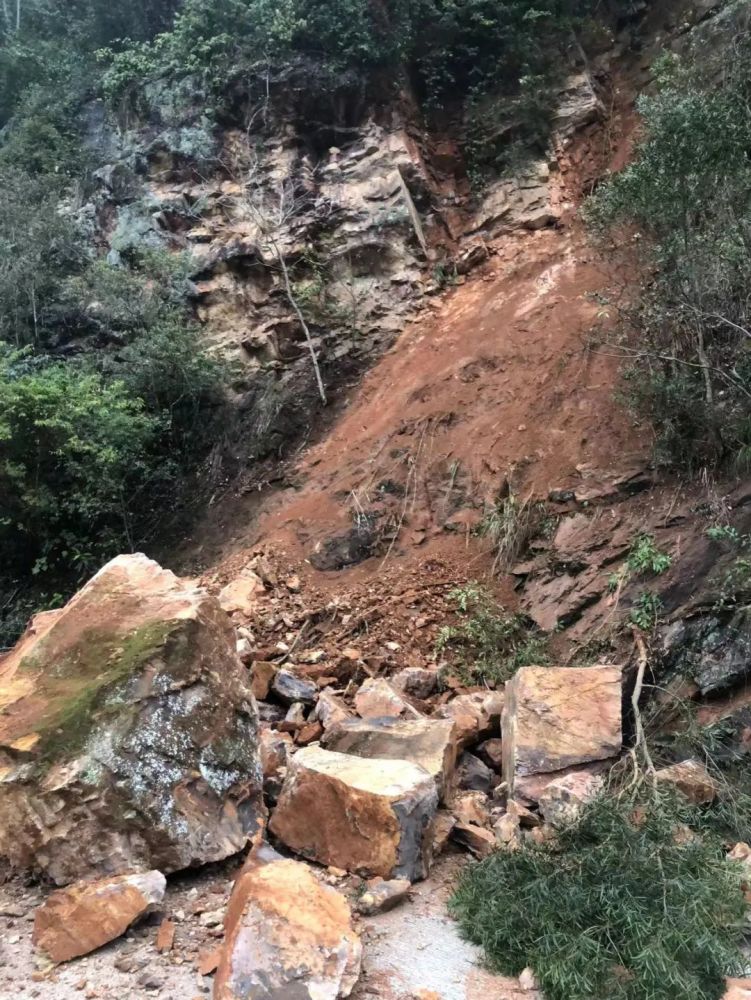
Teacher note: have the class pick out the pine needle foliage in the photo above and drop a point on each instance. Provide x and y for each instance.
(625, 905)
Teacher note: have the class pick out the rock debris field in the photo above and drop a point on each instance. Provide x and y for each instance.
(185, 814)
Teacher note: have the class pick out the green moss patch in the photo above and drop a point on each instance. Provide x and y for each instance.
(76, 686)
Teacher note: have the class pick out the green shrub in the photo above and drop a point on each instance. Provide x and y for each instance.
(73, 451)
(621, 907)
(452, 52)
(645, 557)
(169, 369)
(646, 610)
(489, 644)
(688, 190)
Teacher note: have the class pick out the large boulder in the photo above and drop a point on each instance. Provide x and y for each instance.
(556, 718)
(431, 743)
(128, 733)
(373, 817)
(286, 936)
(74, 921)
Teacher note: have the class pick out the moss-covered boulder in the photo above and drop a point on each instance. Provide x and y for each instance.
(128, 731)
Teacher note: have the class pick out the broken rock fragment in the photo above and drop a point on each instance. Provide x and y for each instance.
(275, 748)
(368, 816)
(474, 775)
(382, 895)
(476, 839)
(417, 681)
(556, 718)
(427, 742)
(377, 698)
(289, 688)
(563, 799)
(330, 709)
(691, 779)
(242, 594)
(261, 675)
(77, 920)
(475, 715)
(287, 936)
(738, 989)
(128, 737)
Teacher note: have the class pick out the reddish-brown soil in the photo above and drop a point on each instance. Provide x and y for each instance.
(502, 380)
(507, 381)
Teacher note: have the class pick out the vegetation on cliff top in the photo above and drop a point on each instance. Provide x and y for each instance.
(686, 200)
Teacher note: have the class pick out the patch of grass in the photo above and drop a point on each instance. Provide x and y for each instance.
(511, 524)
(490, 643)
(619, 907)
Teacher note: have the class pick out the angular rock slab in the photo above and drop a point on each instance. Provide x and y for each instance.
(376, 698)
(430, 743)
(557, 717)
(77, 920)
(368, 816)
(286, 936)
(128, 733)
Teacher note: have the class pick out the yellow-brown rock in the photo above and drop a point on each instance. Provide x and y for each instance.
(738, 989)
(242, 594)
(691, 779)
(376, 698)
(77, 920)
(286, 935)
(128, 732)
(563, 800)
(475, 715)
(555, 718)
(431, 743)
(368, 816)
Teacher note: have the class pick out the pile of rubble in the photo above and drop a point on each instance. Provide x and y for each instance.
(142, 734)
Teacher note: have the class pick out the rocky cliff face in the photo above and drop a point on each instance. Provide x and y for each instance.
(369, 212)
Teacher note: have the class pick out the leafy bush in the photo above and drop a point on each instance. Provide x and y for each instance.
(624, 905)
(645, 611)
(73, 450)
(688, 190)
(645, 557)
(490, 644)
(95, 451)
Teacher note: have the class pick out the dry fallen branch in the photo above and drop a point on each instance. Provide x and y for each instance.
(640, 742)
